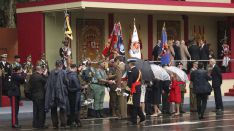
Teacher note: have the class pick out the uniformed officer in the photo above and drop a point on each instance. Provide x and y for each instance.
(65, 53)
(6, 73)
(98, 87)
(28, 66)
(134, 76)
(43, 62)
(17, 78)
(16, 63)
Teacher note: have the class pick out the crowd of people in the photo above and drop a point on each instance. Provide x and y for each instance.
(74, 88)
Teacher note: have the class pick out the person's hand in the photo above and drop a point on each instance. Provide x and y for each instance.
(111, 82)
(45, 72)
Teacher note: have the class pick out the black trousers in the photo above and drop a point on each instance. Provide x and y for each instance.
(15, 100)
(136, 109)
(54, 116)
(201, 103)
(74, 101)
(39, 114)
(165, 103)
(218, 98)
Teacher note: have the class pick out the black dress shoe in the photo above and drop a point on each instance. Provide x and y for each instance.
(182, 112)
(16, 126)
(142, 120)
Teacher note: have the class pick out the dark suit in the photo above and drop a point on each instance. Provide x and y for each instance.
(194, 52)
(216, 85)
(177, 52)
(201, 88)
(156, 52)
(204, 54)
(37, 90)
(136, 110)
(5, 78)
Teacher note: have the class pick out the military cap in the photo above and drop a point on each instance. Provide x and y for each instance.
(4, 56)
(17, 56)
(43, 55)
(29, 56)
(179, 63)
(131, 60)
(73, 65)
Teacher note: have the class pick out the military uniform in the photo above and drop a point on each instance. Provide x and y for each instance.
(193, 99)
(14, 95)
(133, 82)
(98, 89)
(6, 74)
(28, 66)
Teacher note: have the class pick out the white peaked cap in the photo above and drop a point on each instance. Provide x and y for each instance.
(135, 37)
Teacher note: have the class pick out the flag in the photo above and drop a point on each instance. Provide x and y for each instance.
(165, 56)
(120, 44)
(163, 43)
(135, 37)
(135, 50)
(115, 42)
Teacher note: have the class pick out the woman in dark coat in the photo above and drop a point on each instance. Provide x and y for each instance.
(156, 96)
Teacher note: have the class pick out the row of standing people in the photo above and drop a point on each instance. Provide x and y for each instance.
(68, 98)
(181, 53)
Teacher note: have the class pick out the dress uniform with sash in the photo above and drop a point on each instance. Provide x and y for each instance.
(134, 76)
(6, 73)
(17, 78)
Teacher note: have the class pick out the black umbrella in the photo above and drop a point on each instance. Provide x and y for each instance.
(144, 66)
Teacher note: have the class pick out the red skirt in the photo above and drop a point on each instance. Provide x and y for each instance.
(175, 95)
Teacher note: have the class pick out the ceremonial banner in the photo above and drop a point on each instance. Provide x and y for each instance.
(173, 29)
(90, 38)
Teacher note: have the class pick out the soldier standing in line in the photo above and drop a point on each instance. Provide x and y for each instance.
(65, 54)
(43, 62)
(28, 66)
(17, 78)
(6, 73)
(16, 63)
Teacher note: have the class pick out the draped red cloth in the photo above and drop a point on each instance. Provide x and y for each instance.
(133, 88)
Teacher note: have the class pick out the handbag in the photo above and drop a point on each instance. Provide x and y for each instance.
(130, 101)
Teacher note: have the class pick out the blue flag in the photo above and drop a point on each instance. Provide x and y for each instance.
(164, 38)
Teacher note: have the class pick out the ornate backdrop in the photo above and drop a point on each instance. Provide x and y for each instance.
(90, 38)
(172, 27)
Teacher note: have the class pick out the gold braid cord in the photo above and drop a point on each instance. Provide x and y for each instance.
(68, 31)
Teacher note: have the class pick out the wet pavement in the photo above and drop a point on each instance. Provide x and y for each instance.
(185, 122)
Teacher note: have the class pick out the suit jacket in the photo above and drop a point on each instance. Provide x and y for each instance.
(156, 52)
(200, 82)
(37, 86)
(204, 52)
(194, 52)
(177, 52)
(184, 52)
(216, 77)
